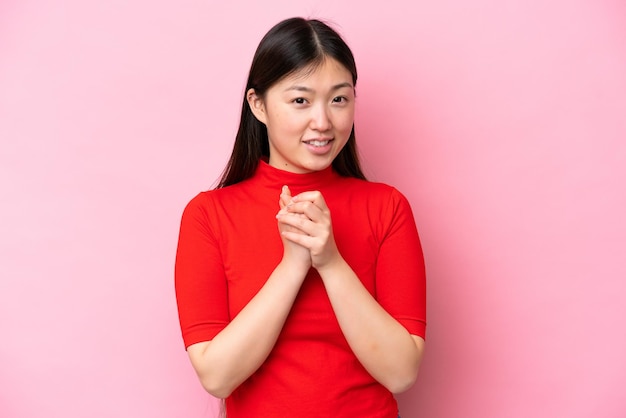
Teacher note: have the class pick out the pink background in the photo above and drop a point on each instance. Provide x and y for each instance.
(504, 123)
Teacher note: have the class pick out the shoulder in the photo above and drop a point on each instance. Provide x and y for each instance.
(204, 212)
(199, 202)
(207, 198)
(203, 203)
(374, 191)
(215, 203)
(377, 200)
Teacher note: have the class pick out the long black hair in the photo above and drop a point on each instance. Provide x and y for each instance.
(289, 46)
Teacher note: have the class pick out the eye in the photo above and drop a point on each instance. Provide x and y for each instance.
(299, 100)
(340, 99)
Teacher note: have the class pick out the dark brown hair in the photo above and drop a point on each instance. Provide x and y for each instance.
(291, 45)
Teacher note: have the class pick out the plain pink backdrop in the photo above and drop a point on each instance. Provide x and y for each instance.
(502, 122)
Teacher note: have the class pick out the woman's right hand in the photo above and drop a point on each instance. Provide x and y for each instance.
(292, 252)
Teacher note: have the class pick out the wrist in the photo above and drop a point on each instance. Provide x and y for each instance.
(331, 266)
(294, 268)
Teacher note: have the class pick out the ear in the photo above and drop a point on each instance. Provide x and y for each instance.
(257, 106)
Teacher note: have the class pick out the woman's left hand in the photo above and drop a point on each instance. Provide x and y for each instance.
(315, 229)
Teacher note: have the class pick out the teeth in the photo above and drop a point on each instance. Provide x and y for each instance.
(319, 143)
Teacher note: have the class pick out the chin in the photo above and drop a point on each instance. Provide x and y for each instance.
(317, 165)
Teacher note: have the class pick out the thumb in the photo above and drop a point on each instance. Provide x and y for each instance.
(285, 197)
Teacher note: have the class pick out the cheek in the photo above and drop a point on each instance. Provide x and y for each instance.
(345, 122)
(281, 127)
(283, 120)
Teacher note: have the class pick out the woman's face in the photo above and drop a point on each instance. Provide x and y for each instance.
(309, 116)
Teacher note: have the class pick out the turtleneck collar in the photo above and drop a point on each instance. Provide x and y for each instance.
(276, 178)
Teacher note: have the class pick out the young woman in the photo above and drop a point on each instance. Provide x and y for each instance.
(300, 285)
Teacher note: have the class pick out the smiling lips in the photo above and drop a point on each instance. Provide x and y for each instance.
(318, 142)
(319, 146)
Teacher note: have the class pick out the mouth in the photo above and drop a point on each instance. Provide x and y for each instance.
(318, 142)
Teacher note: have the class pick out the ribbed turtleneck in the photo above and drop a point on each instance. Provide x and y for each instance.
(275, 178)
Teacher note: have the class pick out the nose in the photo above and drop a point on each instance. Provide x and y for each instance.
(320, 118)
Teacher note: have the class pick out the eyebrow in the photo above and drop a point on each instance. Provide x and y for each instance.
(309, 90)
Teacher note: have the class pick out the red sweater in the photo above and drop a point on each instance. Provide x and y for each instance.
(228, 247)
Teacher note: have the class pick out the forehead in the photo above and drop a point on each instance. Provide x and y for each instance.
(329, 69)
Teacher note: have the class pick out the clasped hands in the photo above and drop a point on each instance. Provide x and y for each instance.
(305, 226)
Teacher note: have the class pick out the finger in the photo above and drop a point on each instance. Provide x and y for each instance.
(314, 197)
(285, 197)
(296, 221)
(298, 238)
(306, 209)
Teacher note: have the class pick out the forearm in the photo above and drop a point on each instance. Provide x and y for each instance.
(239, 349)
(383, 346)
